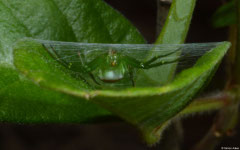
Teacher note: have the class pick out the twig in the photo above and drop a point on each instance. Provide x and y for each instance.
(206, 104)
(173, 136)
(236, 67)
(227, 118)
(223, 126)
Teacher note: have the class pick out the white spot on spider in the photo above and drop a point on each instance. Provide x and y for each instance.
(110, 75)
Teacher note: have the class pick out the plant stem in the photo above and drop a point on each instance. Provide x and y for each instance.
(227, 118)
(173, 137)
(224, 124)
(236, 68)
(206, 104)
(174, 134)
(230, 57)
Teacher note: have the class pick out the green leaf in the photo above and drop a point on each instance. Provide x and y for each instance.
(225, 15)
(60, 20)
(61, 98)
(24, 102)
(177, 23)
(147, 108)
(174, 31)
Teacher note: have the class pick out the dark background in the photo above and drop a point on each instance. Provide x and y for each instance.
(119, 135)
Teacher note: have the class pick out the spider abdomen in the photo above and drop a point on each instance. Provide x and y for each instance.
(110, 76)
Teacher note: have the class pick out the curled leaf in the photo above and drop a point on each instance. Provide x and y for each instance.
(147, 108)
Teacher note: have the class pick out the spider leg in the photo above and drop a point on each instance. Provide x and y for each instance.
(160, 56)
(134, 63)
(79, 76)
(131, 75)
(93, 78)
(90, 74)
(161, 63)
(137, 64)
(80, 57)
(55, 55)
(94, 64)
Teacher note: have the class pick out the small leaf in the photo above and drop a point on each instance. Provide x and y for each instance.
(225, 15)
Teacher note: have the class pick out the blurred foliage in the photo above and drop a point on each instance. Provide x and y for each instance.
(225, 15)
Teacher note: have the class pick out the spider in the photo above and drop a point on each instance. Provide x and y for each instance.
(112, 66)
